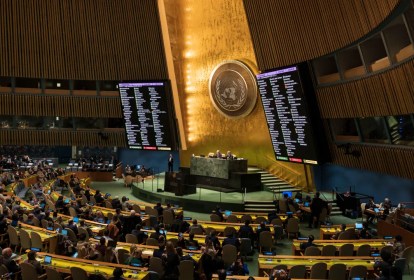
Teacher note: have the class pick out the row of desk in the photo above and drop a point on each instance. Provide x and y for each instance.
(63, 264)
(376, 244)
(267, 263)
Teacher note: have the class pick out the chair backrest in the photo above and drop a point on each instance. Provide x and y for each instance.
(323, 215)
(245, 246)
(358, 271)
(337, 272)
(52, 274)
(84, 200)
(157, 265)
(78, 273)
(260, 220)
(136, 208)
(152, 241)
(25, 241)
(312, 251)
(328, 250)
(13, 236)
(278, 231)
(72, 212)
(36, 222)
(364, 250)
(148, 209)
(174, 241)
(277, 221)
(346, 250)
(186, 269)
(84, 231)
(36, 240)
(131, 238)
(72, 236)
(3, 270)
(215, 218)
(266, 240)
(44, 223)
(229, 231)
(108, 204)
(82, 252)
(109, 254)
(209, 230)
(232, 219)
(168, 217)
(123, 255)
(283, 208)
(292, 226)
(229, 254)
(345, 236)
(28, 271)
(318, 271)
(246, 217)
(297, 271)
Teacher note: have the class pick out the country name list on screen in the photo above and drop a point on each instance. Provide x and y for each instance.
(286, 114)
(145, 112)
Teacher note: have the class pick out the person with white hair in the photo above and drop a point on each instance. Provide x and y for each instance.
(8, 261)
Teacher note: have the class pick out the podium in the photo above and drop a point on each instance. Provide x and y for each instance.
(179, 183)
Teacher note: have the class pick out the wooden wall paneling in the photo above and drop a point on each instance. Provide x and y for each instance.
(393, 160)
(85, 40)
(387, 93)
(305, 30)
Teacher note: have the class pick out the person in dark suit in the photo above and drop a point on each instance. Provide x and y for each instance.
(170, 163)
(307, 244)
(316, 207)
(11, 265)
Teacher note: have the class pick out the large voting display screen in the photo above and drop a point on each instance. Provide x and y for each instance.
(146, 115)
(287, 115)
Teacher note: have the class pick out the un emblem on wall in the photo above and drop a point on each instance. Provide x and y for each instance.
(233, 89)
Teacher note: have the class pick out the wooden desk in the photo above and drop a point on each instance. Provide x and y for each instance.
(255, 215)
(48, 237)
(266, 263)
(201, 239)
(63, 265)
(220, 226)
(95, 227)
(326, 232)
(147, 250)
(376, 244)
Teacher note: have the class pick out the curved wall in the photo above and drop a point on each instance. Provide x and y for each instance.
(285, 32)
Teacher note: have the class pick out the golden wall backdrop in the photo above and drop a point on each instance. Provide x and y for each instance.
(203, 34)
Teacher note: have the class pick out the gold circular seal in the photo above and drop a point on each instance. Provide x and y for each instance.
(233, 89)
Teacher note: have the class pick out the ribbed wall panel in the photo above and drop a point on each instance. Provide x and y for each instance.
(63, 106)
(285, 32)
(81, 40)
(385, 94)
(397, 161)
(62, 138)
